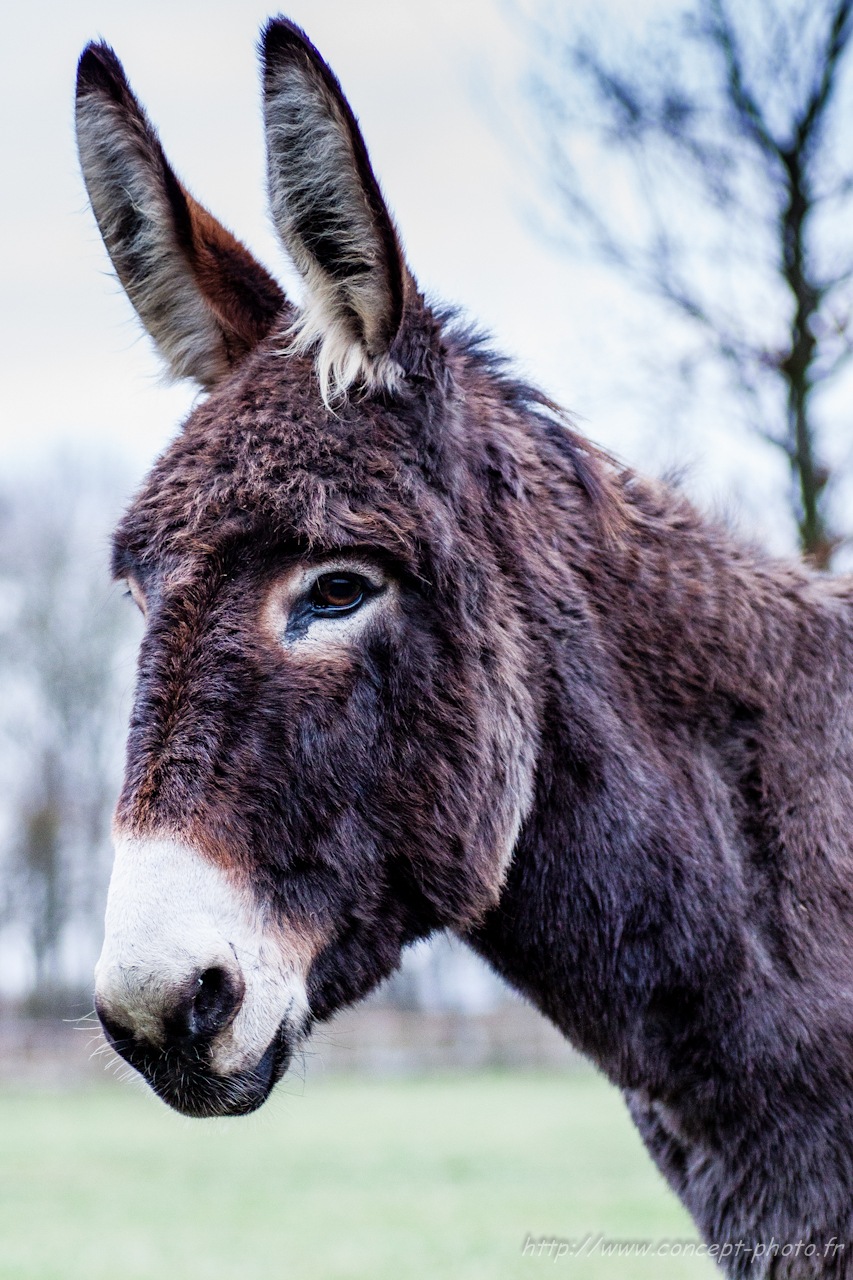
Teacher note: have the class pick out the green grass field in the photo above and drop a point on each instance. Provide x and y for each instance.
(341, 1179)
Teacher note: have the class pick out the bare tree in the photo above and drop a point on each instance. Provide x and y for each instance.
(65, 661)
(726, 193)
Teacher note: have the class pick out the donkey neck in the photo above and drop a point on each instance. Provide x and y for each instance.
(687, 864)
(680, 899)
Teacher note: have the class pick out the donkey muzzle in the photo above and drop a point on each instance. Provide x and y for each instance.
(194, 988)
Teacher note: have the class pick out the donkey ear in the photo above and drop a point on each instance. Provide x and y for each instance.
(330, 213)
(201, 295)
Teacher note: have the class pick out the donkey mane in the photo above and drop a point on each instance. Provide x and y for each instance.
(599, 474)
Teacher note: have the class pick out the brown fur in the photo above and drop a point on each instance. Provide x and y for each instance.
(666, 713)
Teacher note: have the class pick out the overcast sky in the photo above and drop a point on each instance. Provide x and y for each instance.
(436, 87)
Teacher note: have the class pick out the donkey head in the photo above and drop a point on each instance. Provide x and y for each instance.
(333, 740)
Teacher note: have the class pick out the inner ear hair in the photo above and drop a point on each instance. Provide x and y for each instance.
(201, 295)
(329, 211)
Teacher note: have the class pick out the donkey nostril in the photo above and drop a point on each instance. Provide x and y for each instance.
(184, 1019)
(215, 1000)
(207, 1007)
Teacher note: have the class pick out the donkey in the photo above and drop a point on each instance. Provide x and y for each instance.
(419, 657)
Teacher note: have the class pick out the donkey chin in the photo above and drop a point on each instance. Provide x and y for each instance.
(196, 988)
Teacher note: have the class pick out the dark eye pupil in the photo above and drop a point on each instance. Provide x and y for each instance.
(337, 590)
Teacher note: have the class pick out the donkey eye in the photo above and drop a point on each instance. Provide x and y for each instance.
(135, 593)
(337, 592)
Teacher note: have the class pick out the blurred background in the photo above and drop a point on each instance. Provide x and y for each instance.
(648, 205)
